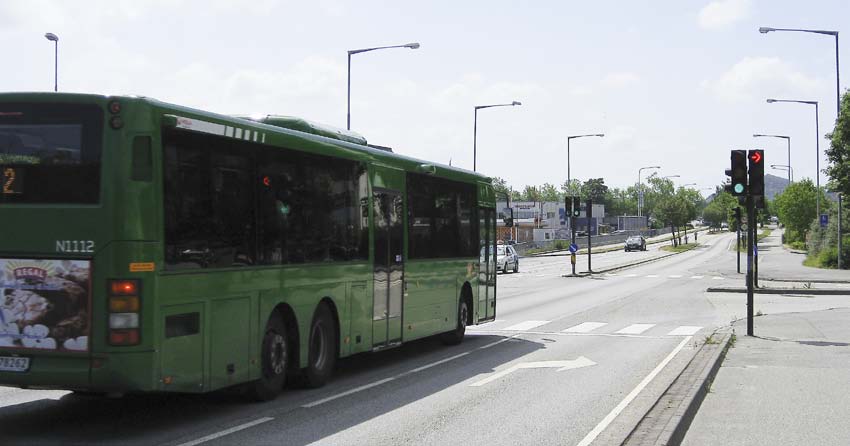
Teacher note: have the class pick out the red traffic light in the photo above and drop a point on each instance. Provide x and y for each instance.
(755, 155)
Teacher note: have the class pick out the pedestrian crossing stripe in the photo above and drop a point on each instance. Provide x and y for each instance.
(588, 328)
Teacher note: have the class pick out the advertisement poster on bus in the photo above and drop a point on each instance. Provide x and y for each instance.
(44, 304)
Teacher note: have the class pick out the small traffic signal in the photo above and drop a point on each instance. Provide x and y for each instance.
(576, 206)
(738, 173)
(738, 215)
(756, 169)
(589, 210)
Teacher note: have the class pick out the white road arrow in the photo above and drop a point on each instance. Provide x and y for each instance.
(577, 363)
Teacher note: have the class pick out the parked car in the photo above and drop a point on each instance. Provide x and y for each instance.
(506, 259)
(635, 243)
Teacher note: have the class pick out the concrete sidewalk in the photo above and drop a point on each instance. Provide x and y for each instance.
(786, 386)
(778, 262)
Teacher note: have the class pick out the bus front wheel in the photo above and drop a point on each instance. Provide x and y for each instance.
(323, 348)
(455, 336)
(275, 356)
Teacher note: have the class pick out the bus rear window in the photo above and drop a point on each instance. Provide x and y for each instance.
(50, 153)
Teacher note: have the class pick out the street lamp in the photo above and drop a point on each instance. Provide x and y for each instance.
(412, 46)
(689, 184)
(817, 141)
(671, 176)
(55, 39)
(788, 139)
(475, 129)
(765, 30)
(786, 168)
(640, 195)
(569, 178)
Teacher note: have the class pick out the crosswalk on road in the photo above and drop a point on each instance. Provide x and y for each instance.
(589, 328)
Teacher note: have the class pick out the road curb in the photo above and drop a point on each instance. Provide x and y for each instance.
(667, 422)
(602, 248)
(807, 291)
(769, 279)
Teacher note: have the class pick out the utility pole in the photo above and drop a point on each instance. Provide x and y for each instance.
(589, 216)
(750, 236)
(839, 230)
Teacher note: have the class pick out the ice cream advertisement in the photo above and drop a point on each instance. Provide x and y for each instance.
(44, 304)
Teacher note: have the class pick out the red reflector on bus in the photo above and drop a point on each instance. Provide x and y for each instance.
(124, 337)
(124, 287)
(114, 107)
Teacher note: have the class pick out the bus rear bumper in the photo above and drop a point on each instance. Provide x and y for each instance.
(119, 372)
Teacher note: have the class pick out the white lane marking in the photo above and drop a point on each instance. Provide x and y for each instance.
(716, 278)
(585, 327)
(496, 343)
(540, 275)
(685, 330)
(675, 276)
(226, 432)
(631, 396)
(635, 329)
(630, 275)
(349, 392)
(527, 325)
(697, 277)
(436, 363)
(577, 363)
(652, 276)
(610, 274)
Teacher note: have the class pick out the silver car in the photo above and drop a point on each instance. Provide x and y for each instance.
(506, 259)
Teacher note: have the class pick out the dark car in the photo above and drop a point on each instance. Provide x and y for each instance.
(635, 243)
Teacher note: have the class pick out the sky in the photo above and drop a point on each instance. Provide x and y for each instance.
(669, 82)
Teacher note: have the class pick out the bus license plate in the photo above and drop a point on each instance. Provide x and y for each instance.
(14, 364)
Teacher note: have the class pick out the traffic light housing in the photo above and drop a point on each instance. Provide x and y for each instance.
(577, 207)
(756, 169)
(738, 173)
(508, 217)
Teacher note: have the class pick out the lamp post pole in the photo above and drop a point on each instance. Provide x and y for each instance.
(55, 39)
(412, 46)
(817, 142)
(788, 140)
(475, 130)
(640, 195)
(785, 168)
(765, 30)
(569, 186)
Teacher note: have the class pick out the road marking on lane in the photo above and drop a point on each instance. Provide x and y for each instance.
(716, 278)
(401, 375)
(675, 276)
(485, 324)
(635, 329)
(651, 276)
(527, 325)
(630, 275)
(685, 330)
(226, 432)
(697, 277)
(577, 363)
(631, 396)
(611, 274)
(585, 327)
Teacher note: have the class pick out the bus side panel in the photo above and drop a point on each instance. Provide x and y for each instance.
(433, 290)
(182, 348)
(230, 335)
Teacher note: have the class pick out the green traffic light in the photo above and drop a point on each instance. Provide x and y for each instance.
(739, 188)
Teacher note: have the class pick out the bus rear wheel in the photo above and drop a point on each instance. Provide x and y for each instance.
(455, 336)
(275, 360)
(323, 348)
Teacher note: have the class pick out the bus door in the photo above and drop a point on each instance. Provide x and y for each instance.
(388, 297)
(487, 265)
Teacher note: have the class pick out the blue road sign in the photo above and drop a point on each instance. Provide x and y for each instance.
(573, 248)
(824, 220)
(755, 250)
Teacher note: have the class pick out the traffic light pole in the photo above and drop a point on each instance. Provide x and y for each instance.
(572, 232)
(738, 230)
(750, 231)
(589, 215)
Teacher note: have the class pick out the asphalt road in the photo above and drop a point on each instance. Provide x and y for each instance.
(569, 360)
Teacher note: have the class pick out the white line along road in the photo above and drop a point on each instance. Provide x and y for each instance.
(585, 327)
(527, 325)
(577, 363)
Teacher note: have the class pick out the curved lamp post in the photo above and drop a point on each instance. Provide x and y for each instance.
(412, 46)
(640, 195)
(787, 139)
(817, 141)
(475, 130)
(55, 39)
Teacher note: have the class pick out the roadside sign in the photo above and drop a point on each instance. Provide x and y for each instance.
(824, 220)
(755, 250)
(744, 227)
(573, 248)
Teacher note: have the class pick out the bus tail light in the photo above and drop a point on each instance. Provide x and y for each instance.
(124, 311)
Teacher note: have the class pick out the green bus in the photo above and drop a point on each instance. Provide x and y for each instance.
(148, 247)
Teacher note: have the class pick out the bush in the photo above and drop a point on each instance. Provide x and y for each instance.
(561, 244)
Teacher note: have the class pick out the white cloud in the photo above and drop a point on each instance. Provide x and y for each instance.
(721, 13)
(755, 78)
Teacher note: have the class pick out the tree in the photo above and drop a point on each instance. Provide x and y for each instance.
(530, 193)
(548, 192)
(595, 189)
(797, 208)
(574, 188)
(501, 187)
(839, 149)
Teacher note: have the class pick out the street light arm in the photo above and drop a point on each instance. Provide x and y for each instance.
(601, 135)
(771, 101)
(479, 107)
(765, 30)
(759, 135)
(412, 46)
